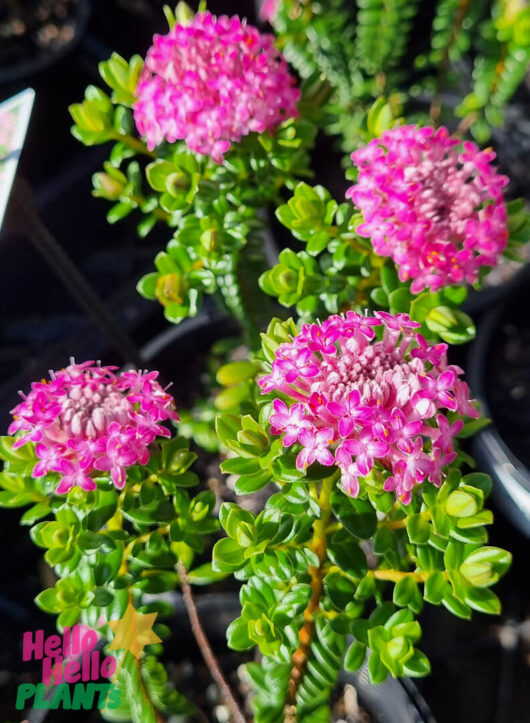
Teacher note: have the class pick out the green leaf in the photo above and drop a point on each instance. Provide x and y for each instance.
(355, 656)
(483, 600)
(417, 666)
(452, 325)
(400, 300)
(479, 480)
(107, 566)
(237, 635)
(379, 297)
(435, 588)
(356, 515)
(103, 508)
(405, 591)
(157, 173)
(471, 427)
(347, 555)
(102, 597)
(205, 575)
(227, 556)
(146, 287)
(69, 617)
(227, 426)
(383, 541)
(389, 278)
(119, 211)
(418, 529)
(235, 372)
(485, 566)
(157, 581)
(37, 512)
(339, 589)
(422, 304)
(47, 600)
(461, 504)
(90, 541)
(455, 606)
(9, 453)
(376, 668)
(252, 482)
(455, 294)
(380, 117)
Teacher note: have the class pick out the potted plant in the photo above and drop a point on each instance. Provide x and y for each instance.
(344, 424)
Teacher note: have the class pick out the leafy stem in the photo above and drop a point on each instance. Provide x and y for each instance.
(305, 636)
(435, 110)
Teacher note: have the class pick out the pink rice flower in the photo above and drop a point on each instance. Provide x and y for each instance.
(433, 205)
(362, 399)
(212, 82)
(268, 10)
(87, 418)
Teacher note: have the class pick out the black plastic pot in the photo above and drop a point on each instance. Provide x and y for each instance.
(179, 351)
(492, 447)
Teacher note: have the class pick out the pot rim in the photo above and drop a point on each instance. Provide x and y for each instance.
(512, 491)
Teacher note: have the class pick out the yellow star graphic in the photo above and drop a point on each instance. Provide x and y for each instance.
(133, 631)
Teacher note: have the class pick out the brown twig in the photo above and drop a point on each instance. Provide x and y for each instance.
(465, 124)
(205, 648)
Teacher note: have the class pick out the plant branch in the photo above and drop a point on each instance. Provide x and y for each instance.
(305, 636)
(397, 575)
(134, 143)
(158, 212)
(205, 648)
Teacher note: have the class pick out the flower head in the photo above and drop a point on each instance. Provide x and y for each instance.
(268, 10)
(368, 390)
(434, 206)
(88, 418)
(212, 82)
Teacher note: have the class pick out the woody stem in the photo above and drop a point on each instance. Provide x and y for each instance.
(205, 648)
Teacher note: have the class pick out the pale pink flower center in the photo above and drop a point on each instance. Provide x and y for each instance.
(88, 411)
(372, 373)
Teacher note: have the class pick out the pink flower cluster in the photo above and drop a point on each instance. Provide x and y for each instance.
(87, 419)
(369, 389)
(212, 82)
(435, 207)
(268, 10)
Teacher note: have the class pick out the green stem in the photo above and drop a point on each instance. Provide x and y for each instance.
(134, 143)
(401, 523)
(158, 212)
(397, 575)
(388, 575)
